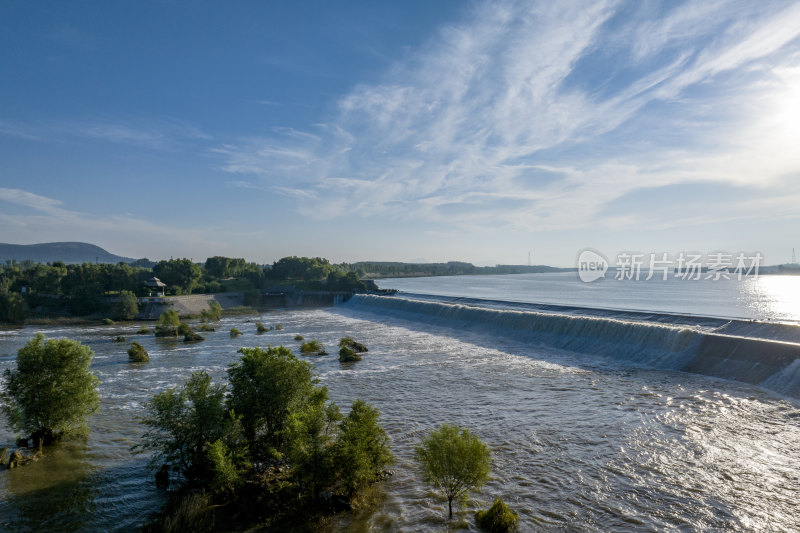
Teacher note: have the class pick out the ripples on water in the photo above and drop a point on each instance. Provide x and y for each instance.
(579, 443)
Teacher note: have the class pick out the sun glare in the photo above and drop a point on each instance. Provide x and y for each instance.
(787, 112)
(779, 297)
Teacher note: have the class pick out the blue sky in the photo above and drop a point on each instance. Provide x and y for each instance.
(475, 131)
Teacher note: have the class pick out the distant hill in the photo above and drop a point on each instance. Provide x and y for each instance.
(68, 252)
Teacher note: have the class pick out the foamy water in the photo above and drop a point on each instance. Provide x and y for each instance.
(579, 442)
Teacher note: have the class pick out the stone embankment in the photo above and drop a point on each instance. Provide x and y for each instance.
(190, 304)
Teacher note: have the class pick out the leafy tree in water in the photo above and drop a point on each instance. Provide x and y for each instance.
(350, 454)
(363, 447)
(213, 313)
(183, 424)
(265, 386)
(454, 461)
(52, 390)
(168, 324)
(196, 431)
(311, 438)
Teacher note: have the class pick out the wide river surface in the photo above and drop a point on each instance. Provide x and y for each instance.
(579, 442)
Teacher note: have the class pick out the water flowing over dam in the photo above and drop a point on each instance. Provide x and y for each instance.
(759, 353)
(588, 437)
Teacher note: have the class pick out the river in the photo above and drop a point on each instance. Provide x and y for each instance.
(580, 441)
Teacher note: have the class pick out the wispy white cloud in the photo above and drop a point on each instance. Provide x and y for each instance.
(159, 134)
(27, 199)
(537, 115)
(17, 130)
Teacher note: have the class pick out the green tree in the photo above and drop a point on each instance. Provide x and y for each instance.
(12, 307)
(226, 467)
(179, 273)
(52, 390)
(311, 440)
(265, 386)
(168, 324)
(213, 313)
(363, 447)
(454, 461)
(301, 268)
(224, 267)
(84, 285)
(127, 307)
(184, 422)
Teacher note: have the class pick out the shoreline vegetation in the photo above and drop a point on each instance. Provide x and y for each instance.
(57, 293)
(265, 448)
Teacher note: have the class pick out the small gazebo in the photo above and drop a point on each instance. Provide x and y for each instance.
(156, 286)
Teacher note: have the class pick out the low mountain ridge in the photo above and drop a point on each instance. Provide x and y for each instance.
(68, 252)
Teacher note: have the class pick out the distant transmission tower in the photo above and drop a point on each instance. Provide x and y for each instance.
(529, 257)
(794, 257)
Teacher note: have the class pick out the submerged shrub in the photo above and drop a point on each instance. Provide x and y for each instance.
(213, 313)
(192, 337)
(298, 337)
(235, 332)
(348, 342)
(206, 327)
(349, 350)
(347, 355)
(119, 338)
(107, 322)
(167, 325)
(260, 328)
(312, 347)
(499, 518)
(278, 327)
(143, 330)
(137, 353)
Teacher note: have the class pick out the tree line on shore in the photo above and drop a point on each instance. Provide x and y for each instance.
(393, 269)
(267, 447)
(79, 290)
